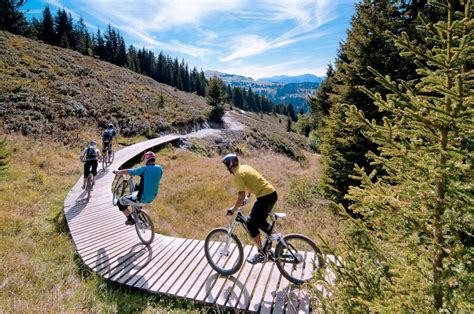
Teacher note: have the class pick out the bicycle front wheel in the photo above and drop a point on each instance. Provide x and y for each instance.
(297, 257)
(144, 227)
(224, 252)
(121, 188)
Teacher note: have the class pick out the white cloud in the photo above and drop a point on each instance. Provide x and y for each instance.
(150, 16)
(308, 15)
(175, 46)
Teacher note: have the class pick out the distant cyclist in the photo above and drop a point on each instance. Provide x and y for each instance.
(90, 156)
(107, 138)
(150, 175)
(248, 180)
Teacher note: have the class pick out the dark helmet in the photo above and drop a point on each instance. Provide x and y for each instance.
(110, 126)
(230, 160)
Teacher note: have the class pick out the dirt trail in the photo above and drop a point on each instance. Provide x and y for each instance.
(229, 125)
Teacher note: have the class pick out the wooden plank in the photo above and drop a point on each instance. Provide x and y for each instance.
(249, 286)
(197, 277)
(204, 283)
(304, 297)
(157, 253)
(159, 271)
(281, 295)
(182, 286)
(183, 271)
(111, 246)
(270, 291)
(169, 269)
(234, 281)
(93, 236)
(152, 269)
(259, 290)
(111, 256)
(131, 265)
(240, 290)
(215, 288)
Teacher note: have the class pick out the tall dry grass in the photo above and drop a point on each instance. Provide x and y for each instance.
(196, 189)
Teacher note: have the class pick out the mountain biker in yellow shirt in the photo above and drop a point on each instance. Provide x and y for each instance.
(248, 180)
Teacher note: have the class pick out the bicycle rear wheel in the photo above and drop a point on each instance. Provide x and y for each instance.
(104, 162)
(144, 227)
(120, 189)
(223, 252)
(297, 257)
(111, 157)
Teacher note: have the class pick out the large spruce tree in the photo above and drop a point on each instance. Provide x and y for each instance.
(342, 143)
(413, 249)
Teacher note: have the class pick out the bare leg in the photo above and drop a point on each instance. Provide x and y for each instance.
(258, 242)
(126, 212)
(93, 180)
(84, 182)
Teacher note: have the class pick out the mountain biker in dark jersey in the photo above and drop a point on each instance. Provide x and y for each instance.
(150, 175)
(90, 156)
(107, 138)
(248, 180)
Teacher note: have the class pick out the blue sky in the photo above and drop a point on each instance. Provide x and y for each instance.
(253, 38)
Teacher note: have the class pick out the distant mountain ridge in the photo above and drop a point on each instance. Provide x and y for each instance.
(295, 90)
(304, 78)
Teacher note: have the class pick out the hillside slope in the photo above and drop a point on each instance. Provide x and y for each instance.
(51, 91)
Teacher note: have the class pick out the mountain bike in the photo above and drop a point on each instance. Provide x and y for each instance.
(89, 183)
(295, 255)
(89, 186)
(108, 157)
(143, 223)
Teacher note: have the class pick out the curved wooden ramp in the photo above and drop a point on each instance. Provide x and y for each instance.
(172, 266)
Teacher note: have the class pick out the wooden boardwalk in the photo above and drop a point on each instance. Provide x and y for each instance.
(171, 266)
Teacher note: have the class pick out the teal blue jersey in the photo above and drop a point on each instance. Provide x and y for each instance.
(150, 182)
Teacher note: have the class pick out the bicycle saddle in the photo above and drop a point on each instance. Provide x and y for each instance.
(278, 215)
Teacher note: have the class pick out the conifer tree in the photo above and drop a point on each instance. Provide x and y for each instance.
(238, 99)
(412, 251)
(215, 98)
(291, 112)
(47, 34)
(288, 123)
(11, 17)
(342, 143)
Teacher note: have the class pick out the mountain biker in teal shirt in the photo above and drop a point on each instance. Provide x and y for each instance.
(150, 175)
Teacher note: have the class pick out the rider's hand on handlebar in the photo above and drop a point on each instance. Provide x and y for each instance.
(246, 200)
(115, 172)
(230, 211)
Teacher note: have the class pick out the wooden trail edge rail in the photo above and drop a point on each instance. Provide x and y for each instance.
(172, 266)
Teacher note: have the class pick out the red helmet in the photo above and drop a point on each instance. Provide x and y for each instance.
(149, 155)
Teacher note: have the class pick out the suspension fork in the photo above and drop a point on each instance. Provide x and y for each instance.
(229, 236)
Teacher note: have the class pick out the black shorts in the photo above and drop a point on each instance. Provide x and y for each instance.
(259, 213)
(90, 166)
(106, 145)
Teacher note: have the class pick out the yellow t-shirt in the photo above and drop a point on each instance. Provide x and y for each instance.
(248, 179)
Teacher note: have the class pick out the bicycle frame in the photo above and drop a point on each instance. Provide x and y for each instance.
(240, 219)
